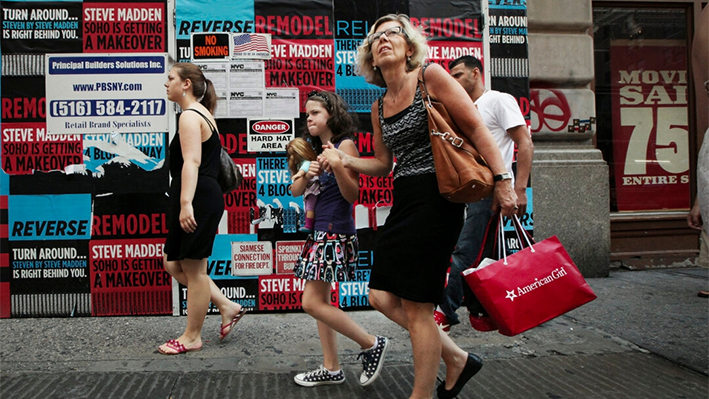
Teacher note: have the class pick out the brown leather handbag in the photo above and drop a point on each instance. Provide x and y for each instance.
(462, 173)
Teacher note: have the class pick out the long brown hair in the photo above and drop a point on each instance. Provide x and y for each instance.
(202, 88)
(340, 121)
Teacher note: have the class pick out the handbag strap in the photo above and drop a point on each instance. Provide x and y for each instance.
(519, 231)
(490, 241)
(463, 141)
(422, 84)
(524, 233)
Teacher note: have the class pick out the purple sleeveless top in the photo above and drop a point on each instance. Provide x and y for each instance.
(332, 211)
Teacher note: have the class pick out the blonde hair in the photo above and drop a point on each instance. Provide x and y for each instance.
(297, 151)
(414, 38)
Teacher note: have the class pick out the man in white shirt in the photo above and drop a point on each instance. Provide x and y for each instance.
(698, 217)
(503, 118)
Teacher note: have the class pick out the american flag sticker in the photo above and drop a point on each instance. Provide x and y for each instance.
(251, 45)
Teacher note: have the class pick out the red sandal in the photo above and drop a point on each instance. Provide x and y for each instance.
(176, 346)
(232, 324)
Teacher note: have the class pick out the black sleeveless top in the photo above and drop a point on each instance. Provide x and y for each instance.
(210, 153)
(406, 135)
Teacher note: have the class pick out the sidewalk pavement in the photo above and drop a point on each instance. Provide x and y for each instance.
(646, 336)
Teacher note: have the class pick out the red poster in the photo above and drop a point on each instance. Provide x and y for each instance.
(375, 190)
(444, 52)
(283, 292)
(124, 28)
(650, 125)
(241, 203)
(287, 253)
(27, 147)
(127, 277)
(307, 64)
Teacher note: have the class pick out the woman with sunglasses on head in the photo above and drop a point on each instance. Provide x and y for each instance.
(414, 246)
(331, 251)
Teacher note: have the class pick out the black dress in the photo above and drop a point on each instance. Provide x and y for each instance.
(414, 246)
(208, 202)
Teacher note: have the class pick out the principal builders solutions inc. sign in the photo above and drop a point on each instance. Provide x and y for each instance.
(106, 93)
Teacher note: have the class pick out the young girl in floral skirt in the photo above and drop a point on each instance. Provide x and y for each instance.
(330, 252)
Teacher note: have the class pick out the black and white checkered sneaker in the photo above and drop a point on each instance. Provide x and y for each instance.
(320, 376)
(372, 361)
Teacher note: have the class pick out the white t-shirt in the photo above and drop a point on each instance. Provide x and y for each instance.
(500, 112)
(703, 181)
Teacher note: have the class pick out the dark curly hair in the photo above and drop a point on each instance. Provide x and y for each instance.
(340, 121)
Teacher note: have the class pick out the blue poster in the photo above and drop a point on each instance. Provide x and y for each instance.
(49, 217)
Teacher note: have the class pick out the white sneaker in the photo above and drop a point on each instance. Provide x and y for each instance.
(372, 361)
(320, 376)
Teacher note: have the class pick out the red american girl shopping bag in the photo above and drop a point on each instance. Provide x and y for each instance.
(529, 287)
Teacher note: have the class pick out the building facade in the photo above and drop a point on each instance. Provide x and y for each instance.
(620, 191)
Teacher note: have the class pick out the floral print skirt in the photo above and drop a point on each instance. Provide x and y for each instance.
(328, 257)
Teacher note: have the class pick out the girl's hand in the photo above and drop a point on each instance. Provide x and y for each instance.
(313, 171)
(187, 220)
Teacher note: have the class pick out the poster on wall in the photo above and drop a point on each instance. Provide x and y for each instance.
(302, 46)
(128, 277)
(240, 204)
(210, 46)
(27, 147)
(353, 21)
(106, 93)
(270, 135)
(251, 46)
(509, 53)
(39, 27)
(650, 124)
(230, 16)
(452, 31)
(48, 252)
(137, 27)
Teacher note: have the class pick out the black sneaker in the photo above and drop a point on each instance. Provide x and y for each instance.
(372, 361)
(320, 376)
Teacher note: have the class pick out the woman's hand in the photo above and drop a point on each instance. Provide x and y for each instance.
(187, 220)
(331, 156)
(504, 198)
(334, 160)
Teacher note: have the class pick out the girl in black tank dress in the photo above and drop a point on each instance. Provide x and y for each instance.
(196, 206)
